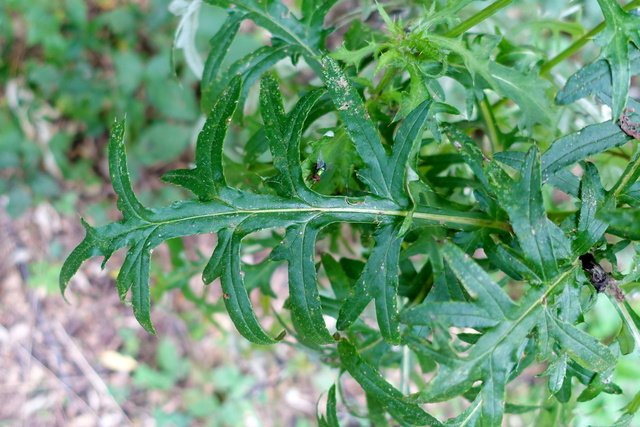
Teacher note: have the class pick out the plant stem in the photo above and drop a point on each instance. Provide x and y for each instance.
(477, 18)
(490, 122)
(405, 369)
(622, 310)
(547, 66)
(629, 176)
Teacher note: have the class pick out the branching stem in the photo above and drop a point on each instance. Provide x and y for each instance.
(478, 18)
(547, 66)
(629, 174)
(490, 122)
(434, 217)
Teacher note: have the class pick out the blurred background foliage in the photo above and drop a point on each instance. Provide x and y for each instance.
(71, 67)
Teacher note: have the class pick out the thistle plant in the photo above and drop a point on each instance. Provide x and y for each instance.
(448, 153)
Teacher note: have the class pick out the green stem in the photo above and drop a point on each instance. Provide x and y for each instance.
(370, 346)
(490, 122)
(629, 174)
(547, 66)
(477, 18)
(436, 217)
(348, 17)
(539, 301)
(621, 308)
(406, 367)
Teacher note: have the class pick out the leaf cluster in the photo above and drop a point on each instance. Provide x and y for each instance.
(69, 67)
(461, 262)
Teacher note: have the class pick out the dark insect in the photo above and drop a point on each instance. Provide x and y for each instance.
(600, 279)
(319, 169)
(597, 276)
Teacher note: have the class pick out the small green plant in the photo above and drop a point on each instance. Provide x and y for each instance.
(69, 67)
(470, 201)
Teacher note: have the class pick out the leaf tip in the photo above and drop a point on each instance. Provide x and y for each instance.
(149, 328)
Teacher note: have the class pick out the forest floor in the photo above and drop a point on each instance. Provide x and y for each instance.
(88, 362)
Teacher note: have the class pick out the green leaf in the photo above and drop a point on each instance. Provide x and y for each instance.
(569, 150)
(525, 89)
(340, 282)
(172, 100)
(626, 339)
(557, 372)
(377, 414)
(378, 281)
(359, 127)
(225, 263)
(582, 347)
(594, 78)
(631, 195)
(511, 408)
(314, 13)
(128, 203)
(561, 179)
(493, 390)
(629, 411)
(207, 179)
(471, 154)
(134, 273)
(372, 383)
(354, 56)
(129, 70)
(622, 222)
(220, 44)
(409, 133)
(258, 276)
(414, 195)
(629, 334)
(459, 314)
(590, 229)
(507, 260)
(284, 135)
(275, 17)
(595, 387)
(469, 417)
(624, 420)
(621, 29)
(341, 160)
(523, 202)
(306, 310)
(580, 145)
(162, 142)
(331, 419)
(228, 208)
(478, 283)
(494, 355)
(490, 360)
(250, 67)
